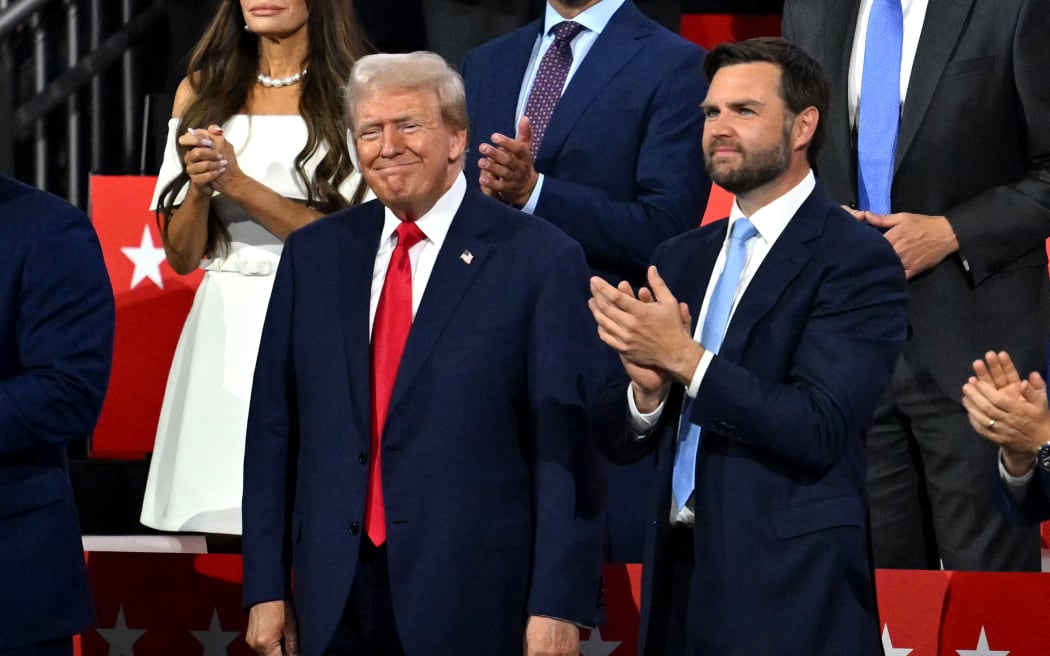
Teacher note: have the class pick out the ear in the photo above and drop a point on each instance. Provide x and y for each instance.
(803, 127)
(457, 145)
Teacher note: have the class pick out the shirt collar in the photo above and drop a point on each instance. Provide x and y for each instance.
(772, 219)
(593, 18)
(438, 219)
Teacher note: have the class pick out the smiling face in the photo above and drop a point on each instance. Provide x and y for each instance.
(275, 18)
(747, 128)
(409, 155)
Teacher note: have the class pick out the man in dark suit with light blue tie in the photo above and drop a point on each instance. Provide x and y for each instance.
(56, 348)
(758, 541)
(418, 452)
(937, 135)
(589, 118)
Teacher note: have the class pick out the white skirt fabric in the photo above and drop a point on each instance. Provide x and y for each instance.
(196, 473)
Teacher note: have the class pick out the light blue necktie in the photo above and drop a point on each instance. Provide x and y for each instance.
(880, 105)
(718, 311)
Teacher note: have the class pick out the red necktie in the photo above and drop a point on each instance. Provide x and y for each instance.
(389, 334)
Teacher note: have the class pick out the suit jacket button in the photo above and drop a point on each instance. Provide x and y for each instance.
(354, 528)
(852, 204)
(362, 458)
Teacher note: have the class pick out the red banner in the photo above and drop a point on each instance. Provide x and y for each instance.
(179, 604)
(709, 30)
(152, 302)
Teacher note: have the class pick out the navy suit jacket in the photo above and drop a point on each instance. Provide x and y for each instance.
(621, 157)
(56, 347)
(782, 562)
(493, 488)
(1034, 508)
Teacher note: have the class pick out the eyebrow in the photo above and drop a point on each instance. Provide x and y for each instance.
(396, 120)
(735, 104)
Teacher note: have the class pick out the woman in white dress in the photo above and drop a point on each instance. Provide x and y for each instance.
(257, 147)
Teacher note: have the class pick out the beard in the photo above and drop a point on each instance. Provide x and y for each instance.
(755, 170)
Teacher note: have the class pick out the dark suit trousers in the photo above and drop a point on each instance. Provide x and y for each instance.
(931, 480)
(60, 647)
(669, 616)
(367, 625)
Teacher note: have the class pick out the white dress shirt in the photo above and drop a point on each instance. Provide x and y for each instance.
(770, 222)
(434, 224)
(914, 16)
(594, 19)
(1016, 486)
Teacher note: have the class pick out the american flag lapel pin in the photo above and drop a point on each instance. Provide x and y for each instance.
(467, 257)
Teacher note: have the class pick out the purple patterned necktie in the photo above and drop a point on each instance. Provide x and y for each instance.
(550, 80)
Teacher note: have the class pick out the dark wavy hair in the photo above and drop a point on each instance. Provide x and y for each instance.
(222, 72)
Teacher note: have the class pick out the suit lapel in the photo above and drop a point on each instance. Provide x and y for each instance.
(449, 281)
(840, 26)
(695, 282)
(506, 77)
(783, 262)
(619, 42)
(944, 23)
(356, 259)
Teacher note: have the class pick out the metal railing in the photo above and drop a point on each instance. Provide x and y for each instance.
(71, 91)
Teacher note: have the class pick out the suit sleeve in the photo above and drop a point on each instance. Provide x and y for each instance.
(271, 448)
(842, 361)
(610, 418)
(671, 186)
(1034, 508)
(569, 477)
(1001, 223)
(64, 335)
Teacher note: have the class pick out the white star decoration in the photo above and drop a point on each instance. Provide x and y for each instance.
(982, 648)
(147, 258)
(120, 637)
(215, 640)
(887, 644)
(595, 646)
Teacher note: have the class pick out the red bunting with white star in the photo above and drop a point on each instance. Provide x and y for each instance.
(152, 302)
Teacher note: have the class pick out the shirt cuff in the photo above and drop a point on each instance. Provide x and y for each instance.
(577, 624)
(534, 197)
(642, 423)
(1017, 486)
(698, 375)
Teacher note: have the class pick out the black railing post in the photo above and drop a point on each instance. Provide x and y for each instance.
(7, 113)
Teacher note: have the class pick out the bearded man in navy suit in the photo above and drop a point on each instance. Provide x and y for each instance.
(759, 535)
(449, 500)
(56, 349)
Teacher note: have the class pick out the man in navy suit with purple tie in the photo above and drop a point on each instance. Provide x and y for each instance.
(590, 118)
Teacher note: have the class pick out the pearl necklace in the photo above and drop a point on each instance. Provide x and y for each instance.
(277, 83)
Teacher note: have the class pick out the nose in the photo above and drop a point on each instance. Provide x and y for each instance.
(717, 125)
(392, 144)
